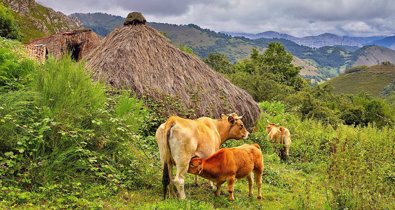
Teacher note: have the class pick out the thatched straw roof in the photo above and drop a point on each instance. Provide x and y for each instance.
(139, 58)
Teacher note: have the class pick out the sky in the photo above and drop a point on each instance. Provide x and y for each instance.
(295, 17)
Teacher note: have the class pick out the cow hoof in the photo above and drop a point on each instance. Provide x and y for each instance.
(259, 197)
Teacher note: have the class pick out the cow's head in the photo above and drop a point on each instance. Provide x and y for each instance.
(237, 129)
(195, 165)
(270, 126)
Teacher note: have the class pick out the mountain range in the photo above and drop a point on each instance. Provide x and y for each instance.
(333, 57)
(322, 40)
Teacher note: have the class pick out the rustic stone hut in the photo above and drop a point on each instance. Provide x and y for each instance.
(78, 44)
(139, 58)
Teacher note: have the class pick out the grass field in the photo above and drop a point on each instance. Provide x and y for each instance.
(284, 187)
(371, 81)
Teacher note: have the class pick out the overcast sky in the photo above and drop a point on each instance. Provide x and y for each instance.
(295, 17)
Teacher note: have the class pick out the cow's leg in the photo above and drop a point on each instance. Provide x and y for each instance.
(287, 151)
(182, 168)
(258, 181)
(249, 179)
(231, 182)
(171, 185)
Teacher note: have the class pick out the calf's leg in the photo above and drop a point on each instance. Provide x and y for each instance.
(218, 191)
(258, 181)
(231, 182)
(249, 179)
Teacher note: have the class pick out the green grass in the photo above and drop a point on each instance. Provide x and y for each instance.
(298, 190)
(371, 81)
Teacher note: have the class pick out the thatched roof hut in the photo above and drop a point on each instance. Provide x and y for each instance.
(139, 58)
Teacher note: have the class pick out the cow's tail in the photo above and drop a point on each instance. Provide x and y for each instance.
(167, 159)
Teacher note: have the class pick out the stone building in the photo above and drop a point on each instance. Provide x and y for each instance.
(77, 44)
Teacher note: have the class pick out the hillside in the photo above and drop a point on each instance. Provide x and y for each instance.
(36, 21)
(371, 80)
(388, 42)
(372, 55)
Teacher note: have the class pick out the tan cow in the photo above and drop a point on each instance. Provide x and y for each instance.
(281, 136)
(180, 139)
(229, 164)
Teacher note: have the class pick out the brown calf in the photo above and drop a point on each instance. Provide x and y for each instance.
(229, 164)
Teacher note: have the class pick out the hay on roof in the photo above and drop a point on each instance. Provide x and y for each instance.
(139, 58)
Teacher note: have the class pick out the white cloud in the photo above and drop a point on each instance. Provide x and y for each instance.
(296, 17)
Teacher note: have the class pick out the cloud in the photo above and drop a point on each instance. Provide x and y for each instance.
(297, 17)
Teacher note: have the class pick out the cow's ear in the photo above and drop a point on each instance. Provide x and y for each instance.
(224, 116)
(231, 119)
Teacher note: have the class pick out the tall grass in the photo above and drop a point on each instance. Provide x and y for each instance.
(67, 91)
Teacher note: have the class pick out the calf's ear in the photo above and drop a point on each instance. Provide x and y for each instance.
(195, 161)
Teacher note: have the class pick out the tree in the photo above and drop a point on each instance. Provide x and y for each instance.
(219, 62)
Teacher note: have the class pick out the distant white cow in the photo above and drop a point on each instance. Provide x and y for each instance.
(279, 135)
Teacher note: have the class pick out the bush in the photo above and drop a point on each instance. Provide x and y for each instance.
(8, 26)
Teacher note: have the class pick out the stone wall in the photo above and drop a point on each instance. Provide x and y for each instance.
(37, 52)
(77, 44)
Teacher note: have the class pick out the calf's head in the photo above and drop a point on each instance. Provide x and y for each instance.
(195, 165)
(237, 129)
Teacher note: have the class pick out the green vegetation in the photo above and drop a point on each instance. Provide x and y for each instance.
(68, 142)
(64, 141)
(8, 26)
(267, 76)
(371, 80)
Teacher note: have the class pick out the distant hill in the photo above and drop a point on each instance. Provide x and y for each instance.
(266, 35)
(326, 39)
(371, 80)
(372, 55)
(101, 23)
(388, 42)
(36, 21)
